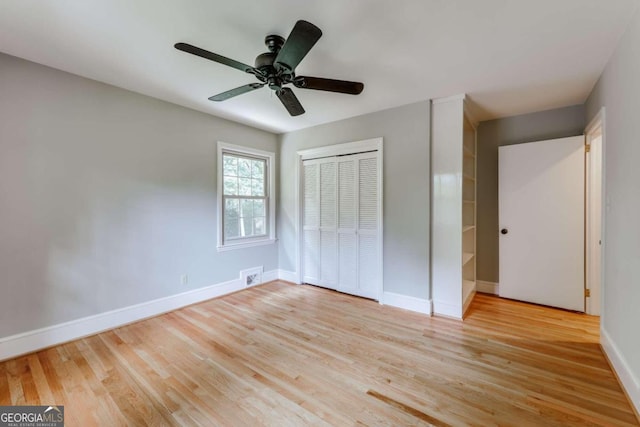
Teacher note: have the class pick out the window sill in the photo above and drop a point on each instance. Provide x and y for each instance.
(243, 245)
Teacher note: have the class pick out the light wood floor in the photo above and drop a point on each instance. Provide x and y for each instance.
(283, 355)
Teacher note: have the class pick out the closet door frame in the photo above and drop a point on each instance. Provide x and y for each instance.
(368, 145)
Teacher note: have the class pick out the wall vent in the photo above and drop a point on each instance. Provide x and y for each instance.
(251, 276)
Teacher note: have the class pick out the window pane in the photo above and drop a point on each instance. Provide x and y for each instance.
(246, 208)
(246, 227)
(232, 208)
(244, 186)
(230, 228)
(258, 208)
(258, 224)
(244, 168)
(257, 187)
(230, 165)
(230, 186)
(257, 170)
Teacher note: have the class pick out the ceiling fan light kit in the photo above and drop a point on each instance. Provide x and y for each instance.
(276, 68)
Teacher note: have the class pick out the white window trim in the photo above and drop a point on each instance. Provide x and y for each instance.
(249, 242)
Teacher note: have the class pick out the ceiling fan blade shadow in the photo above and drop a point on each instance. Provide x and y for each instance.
(235, 92)
(329, 85)
(194, 50)
(302, 38)
(290, 101)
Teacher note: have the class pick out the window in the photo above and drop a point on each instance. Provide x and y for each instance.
(245, 197)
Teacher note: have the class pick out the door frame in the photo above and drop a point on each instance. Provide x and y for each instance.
(374, 144)
(596, 127)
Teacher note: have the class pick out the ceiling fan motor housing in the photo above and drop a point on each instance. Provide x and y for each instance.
(275, 78)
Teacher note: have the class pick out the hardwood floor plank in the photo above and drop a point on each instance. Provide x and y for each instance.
(286, 355)
(5, 391)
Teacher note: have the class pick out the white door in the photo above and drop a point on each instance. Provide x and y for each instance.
(541, 220)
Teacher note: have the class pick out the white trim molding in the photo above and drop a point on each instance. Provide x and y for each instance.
(289, 276)
(270, 159)
(341, 149)
(441, 308)
(487, 287)
(270, 276)
(630, 383)
(28, 342)
(596, 121)
(599, 121)
(458, 97)
(406, 302)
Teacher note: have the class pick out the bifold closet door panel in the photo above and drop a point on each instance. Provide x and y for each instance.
(328, 214)
(311, 223)
(347, 223)
(368, 239)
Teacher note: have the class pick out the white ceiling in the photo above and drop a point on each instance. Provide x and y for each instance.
(510, 56)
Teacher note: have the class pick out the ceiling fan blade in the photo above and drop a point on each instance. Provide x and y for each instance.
(290, 102)
(330, 85)
(302, 38)
(185, 47)
(235, 92)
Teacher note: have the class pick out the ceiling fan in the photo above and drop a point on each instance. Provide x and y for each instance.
(276, 68)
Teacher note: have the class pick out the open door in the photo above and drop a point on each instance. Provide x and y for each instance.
(541, 217)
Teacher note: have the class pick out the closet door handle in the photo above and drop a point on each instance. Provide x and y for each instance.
(504, 231)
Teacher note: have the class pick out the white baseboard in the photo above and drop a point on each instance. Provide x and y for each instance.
(270, 276)
(446, 309)
(487, 287)
(288, 276)
(28, 342)
(629, 381)
(408, 303)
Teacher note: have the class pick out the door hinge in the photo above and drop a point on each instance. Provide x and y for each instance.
(587, 148)
(587, 293)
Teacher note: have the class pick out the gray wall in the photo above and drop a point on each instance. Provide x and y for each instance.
(106, 197)
(551, 124)
(406, 190)
(618, 90)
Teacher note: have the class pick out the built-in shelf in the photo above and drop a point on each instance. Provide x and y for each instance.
(469, 195)
(468, 291)
(467, 287)
(454, 240)
(466, 257)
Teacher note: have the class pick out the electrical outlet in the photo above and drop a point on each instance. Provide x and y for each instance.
(184, 280)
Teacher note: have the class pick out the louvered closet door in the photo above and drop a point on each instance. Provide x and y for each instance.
(368, 239)
(319, 223)
(341, 240)
(358, 243)
(311, 222)
(347, 225)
